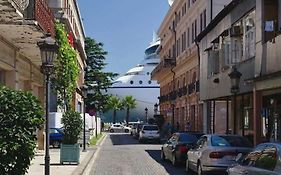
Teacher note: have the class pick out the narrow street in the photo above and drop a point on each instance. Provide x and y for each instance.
(121, 154)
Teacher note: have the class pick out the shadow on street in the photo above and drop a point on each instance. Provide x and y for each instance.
(178, 170)
(122, 139)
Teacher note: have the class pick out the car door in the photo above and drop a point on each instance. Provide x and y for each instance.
(195, 154)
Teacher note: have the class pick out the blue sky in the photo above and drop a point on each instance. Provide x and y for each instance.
(124, 26)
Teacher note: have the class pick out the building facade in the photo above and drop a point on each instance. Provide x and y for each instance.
(178, 71)
(21, 26)
(245, 35)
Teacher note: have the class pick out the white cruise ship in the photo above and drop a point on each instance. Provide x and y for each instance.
(137, 83)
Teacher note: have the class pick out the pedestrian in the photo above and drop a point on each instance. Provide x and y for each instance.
(178, 126)
(188, 126)
(102, 125)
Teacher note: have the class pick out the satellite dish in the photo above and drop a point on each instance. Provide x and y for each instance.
(170, 2)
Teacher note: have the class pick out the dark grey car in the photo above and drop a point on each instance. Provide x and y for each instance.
(265, 159)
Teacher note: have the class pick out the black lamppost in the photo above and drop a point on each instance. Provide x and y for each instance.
(146, 114)
(48, 48)
(234, 76)
(155, 108)
(84, 89)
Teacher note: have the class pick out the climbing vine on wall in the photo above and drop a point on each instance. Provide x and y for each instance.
(66, 69)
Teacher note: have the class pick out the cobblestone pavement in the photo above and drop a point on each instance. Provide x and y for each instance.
(121, 154)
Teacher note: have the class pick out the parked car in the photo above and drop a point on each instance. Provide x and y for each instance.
(214, 153)
(55, 135)
(178, 144)
(149, 133)
(265, 159)
(119, 128)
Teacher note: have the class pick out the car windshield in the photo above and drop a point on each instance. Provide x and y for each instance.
(188, 138)
(234, 141)
(151, 128)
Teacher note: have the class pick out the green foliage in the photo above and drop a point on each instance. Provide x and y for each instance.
(20, 116)
(94, 140)
(115, 104)
(66, 68)
(129, 103)
(72, 126)
(95, 74)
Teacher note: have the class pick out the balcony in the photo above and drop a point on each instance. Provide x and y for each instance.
(163, 66)
(23, 23)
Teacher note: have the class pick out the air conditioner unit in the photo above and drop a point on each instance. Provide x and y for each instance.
(235, 31)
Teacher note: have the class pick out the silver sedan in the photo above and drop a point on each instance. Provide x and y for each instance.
(214, 153)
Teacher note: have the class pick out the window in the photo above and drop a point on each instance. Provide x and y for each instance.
(201, 22)
(149, 82)
(140, 82)
(213, 62)
(192, 34)
(2, 77)
(268, 159)
(204, 19)
(131, 82)
(234, 141)
(250, 36)
(188, 37)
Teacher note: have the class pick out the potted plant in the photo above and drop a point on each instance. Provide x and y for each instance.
(72, 126)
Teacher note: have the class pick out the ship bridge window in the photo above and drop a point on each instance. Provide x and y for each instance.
(149, 82)
(151, 50)
(132, 73)
(131, 82)
(140, 82)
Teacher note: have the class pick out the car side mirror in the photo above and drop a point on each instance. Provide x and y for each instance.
(239, 158)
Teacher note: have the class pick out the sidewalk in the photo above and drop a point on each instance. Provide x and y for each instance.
(37, 164)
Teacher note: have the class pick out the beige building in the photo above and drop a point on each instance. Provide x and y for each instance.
(20, 29)
(177, 72)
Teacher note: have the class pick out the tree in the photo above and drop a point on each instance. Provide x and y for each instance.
(129, 103)
(97, 80)
(115, 104)
(20, 115)
(66, 69)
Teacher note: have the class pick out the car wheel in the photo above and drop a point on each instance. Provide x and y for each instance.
(56, 144)
(111, 130)
(174, 160)
(199, 169)
(163, 157)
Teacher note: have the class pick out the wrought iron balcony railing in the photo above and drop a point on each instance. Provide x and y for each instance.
(166, 63)
(39, 11)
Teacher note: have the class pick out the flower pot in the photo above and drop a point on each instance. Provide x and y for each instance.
(69, 153)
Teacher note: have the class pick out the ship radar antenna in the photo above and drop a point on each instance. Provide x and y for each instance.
(154, 37)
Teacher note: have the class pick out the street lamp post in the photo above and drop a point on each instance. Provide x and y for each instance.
(234, 76)
(48, 49)
(155, 108)
(84, 89)
(146, 115)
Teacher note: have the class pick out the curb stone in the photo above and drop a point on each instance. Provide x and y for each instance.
(82, 166)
